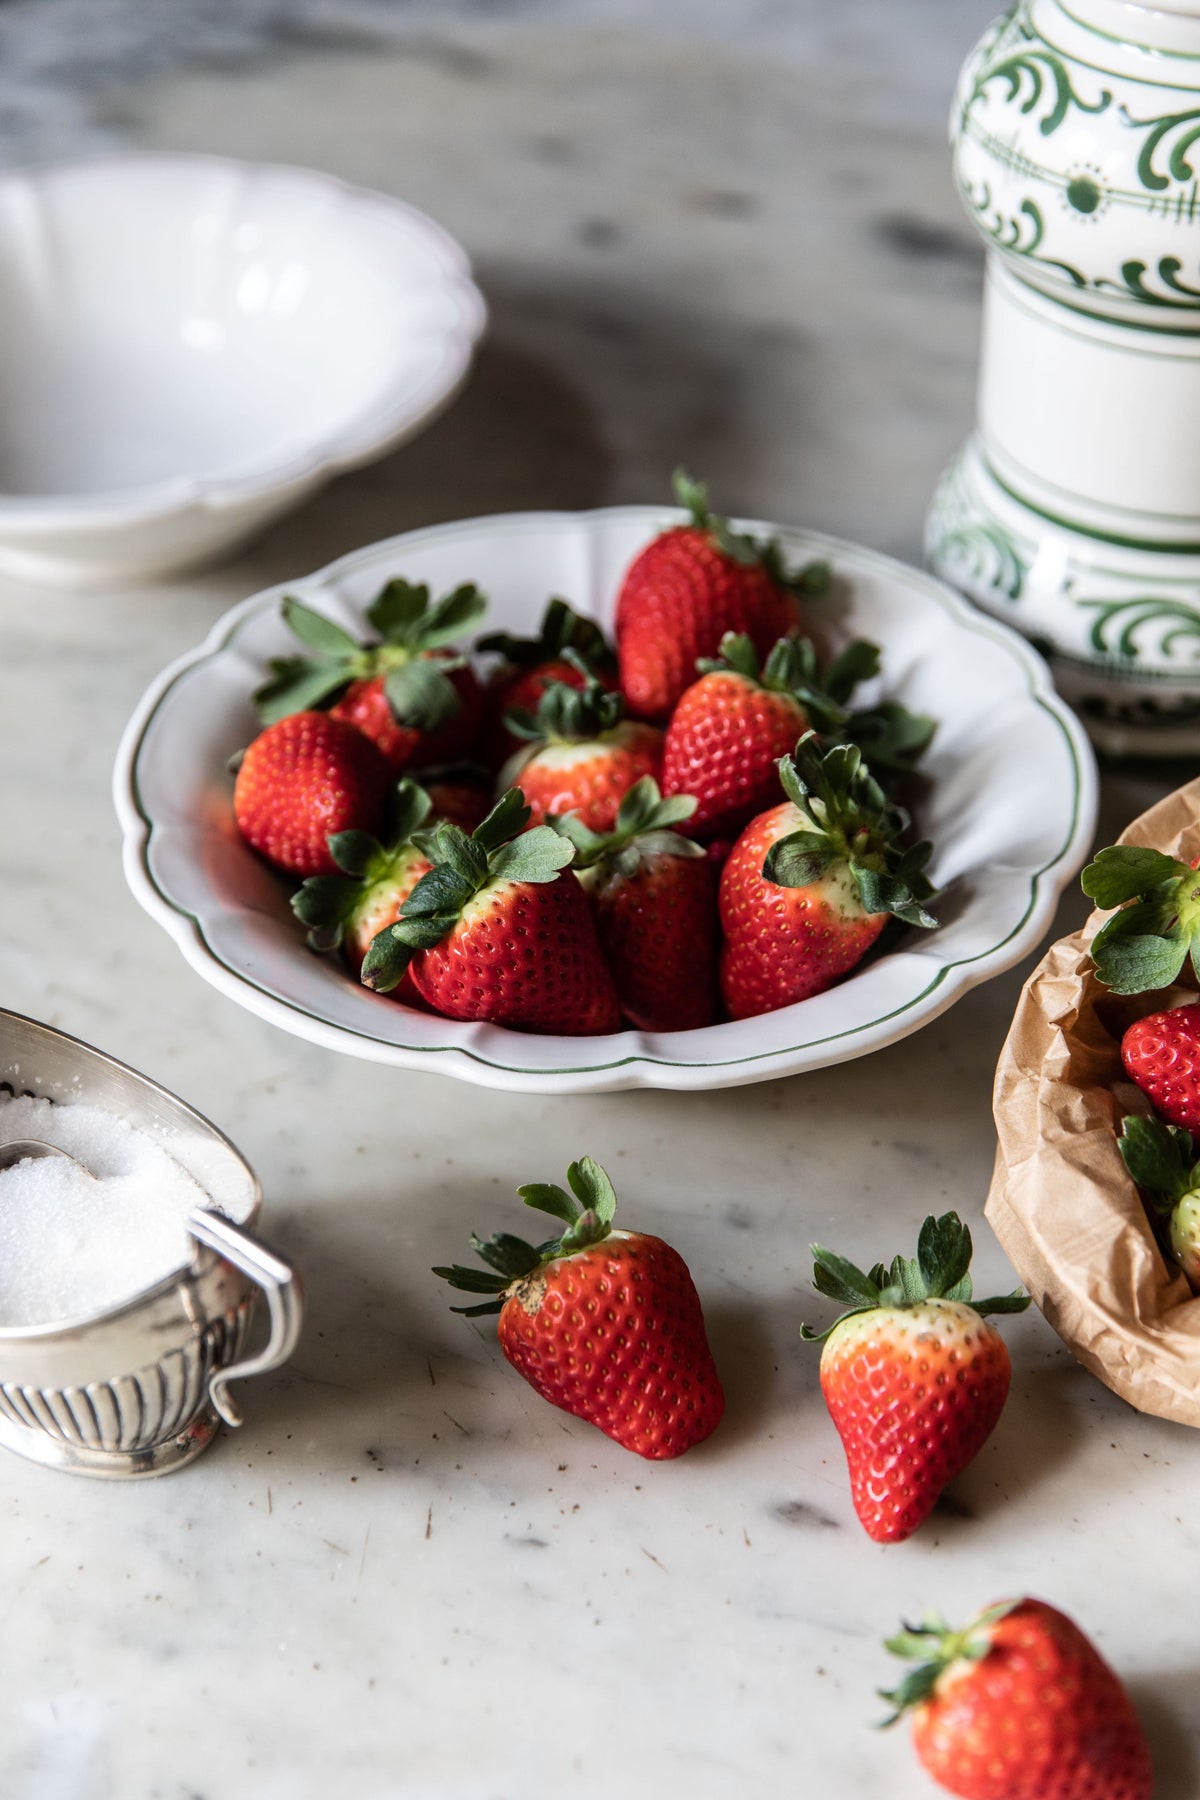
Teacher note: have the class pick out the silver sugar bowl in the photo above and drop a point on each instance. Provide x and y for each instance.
(141, 1388)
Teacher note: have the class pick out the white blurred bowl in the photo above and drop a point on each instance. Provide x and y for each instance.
(192, 345)
(1011, 811)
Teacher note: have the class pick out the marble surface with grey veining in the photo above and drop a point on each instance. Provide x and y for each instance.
(708, 233)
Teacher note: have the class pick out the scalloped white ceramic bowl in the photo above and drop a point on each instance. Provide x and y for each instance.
(1011, 812)
(192, 345)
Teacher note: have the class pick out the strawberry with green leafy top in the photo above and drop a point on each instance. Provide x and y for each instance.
(581, 754)
(303, 779)
(414, 695)
(499, 929)
(654, 896)
(602, 1322)
(810, 885)
(347, 910)
(531, 664)
(1163, 1161)
(730, 727)
(1157, 930)
(913, 1374)
(687, 588)
(1019, 1705)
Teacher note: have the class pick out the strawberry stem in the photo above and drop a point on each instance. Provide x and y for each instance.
(586, 1212)
(940, 1271)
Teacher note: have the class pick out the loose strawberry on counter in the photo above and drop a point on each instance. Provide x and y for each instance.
(302, 780)
(1019, 1705)
(654, 896)
(1164, 1162)
(604, 1323)
(691, 585)
(913, 1374)
(347, 910)
(531, 664)
(500, 930)
(581, 753)
(730, 728)
(810, 885)
(411, 692)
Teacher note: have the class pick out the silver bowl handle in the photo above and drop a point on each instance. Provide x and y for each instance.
(285, 1301)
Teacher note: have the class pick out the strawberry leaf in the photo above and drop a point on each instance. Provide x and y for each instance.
(509, 816)
(355, 852)
(1142, 947)
(397, 609)
(592, 1187)
(385, 962)
(510, 1256)
(296, 685)
(1127, 871)
(549, 1198)
(799, 859)
(536, 855)
(319, 633)
(1161, 1158)
(421, 695)
(454, 614)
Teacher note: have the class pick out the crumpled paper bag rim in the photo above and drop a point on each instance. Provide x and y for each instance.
(1061, 1201)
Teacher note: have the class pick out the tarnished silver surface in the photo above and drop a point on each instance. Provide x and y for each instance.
(140, 1388)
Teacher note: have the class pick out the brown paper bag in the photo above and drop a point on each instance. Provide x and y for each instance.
(1061, 1201)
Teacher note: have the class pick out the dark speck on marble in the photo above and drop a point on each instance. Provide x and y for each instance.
(924, 240)
(805, 1515)
(722, 203)
(599, 234)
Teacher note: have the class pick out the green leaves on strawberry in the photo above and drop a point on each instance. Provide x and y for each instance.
(811, 580)
(939, 1271)
(645, 828)
(330, 905)
(562, 629)
(1164, 1163)
(500, 850)
(415, 680)
(848, 819)
(569, 715)
(1144, 945)
(587, 1213)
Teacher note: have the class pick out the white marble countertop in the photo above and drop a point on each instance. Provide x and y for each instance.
(407, 1576)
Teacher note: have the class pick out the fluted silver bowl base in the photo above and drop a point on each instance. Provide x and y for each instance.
(113, 1465)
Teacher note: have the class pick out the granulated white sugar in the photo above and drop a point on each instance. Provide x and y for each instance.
(74, 1243)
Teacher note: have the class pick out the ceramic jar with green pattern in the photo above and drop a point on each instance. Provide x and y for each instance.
(1074, 510)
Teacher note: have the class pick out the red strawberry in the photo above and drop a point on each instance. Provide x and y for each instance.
(417, 698)
(582, 755)
(654, 897)
(531, 664)
(459, 792)
(347, 910)
(303, 779)
(691, 585)
(912, 1373)
(1162, 1054)
(604, 1324)
(809, 886)
(1019, 1705)
(493, 932)
(730, 728)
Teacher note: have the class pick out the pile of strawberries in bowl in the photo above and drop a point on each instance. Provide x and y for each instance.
(692, 823)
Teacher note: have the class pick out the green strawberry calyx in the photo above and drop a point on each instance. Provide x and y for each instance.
(1146, 943)
(568, 715)
(645, 828)
(849, 820)
(811, 580)
(1162, 1160)
(893, 738)
(562, 629)
(586, 1212)
(418, 688)
(939, 1271)
(326, 904)
(935, 1647)
(499, 850)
